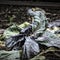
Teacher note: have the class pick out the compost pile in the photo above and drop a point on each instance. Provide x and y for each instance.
(29, 33)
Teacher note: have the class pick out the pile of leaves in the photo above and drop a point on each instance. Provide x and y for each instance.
(46, 52)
